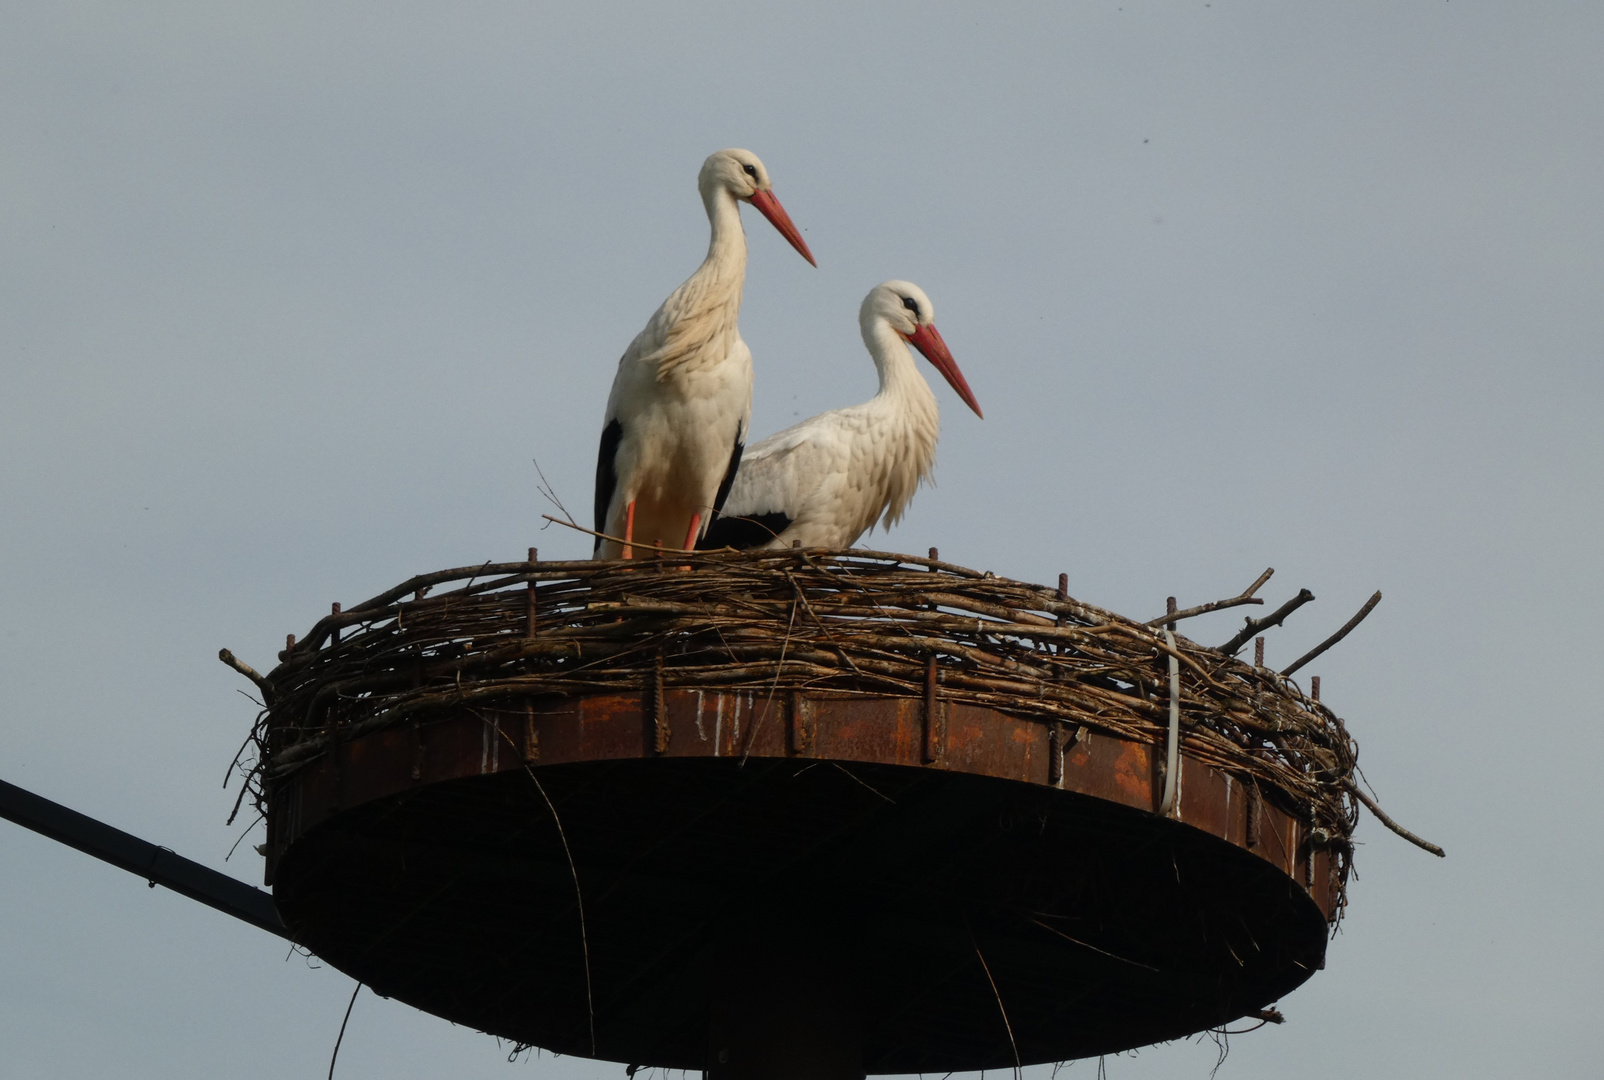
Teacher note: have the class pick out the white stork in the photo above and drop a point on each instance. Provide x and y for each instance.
(826, 481)
(681, 401)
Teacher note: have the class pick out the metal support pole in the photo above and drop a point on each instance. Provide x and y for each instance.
(157, 865)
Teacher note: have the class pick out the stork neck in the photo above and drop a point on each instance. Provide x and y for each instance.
(726, 250)
(893, 361)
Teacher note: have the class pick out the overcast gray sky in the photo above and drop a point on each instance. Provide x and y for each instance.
(292, 294)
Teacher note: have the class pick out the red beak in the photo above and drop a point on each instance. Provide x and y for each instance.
(770, 207)
(928, 341)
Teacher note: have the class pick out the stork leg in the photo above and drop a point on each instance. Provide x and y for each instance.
(629, 529)
(690, 535)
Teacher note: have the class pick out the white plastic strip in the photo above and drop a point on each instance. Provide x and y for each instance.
(1172, 751)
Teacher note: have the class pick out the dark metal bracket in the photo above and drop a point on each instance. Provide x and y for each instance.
(157, 865)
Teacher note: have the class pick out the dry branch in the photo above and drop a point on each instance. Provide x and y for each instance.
(249, 672)
(1246, 597)
(1275, 618)
(1381, 816)
(1347, 627)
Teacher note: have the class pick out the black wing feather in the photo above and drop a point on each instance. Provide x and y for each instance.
(607, 474)
(741, 533)
(729, 474)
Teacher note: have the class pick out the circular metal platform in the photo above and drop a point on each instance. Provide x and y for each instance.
(951, 882)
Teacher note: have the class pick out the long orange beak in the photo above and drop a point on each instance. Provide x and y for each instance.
(770, 207)
(927, 339)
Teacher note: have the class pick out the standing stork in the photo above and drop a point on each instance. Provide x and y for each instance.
(681, 401)
(829, 479)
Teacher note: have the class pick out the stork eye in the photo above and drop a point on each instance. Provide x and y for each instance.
(911, 304)
(750, 171)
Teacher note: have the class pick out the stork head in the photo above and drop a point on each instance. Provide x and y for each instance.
(905, 308)
(741, 174)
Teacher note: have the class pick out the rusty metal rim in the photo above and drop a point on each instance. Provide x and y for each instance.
(928, 733)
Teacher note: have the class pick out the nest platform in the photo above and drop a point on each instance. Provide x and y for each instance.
(897, 811)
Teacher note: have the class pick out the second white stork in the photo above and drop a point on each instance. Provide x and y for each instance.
(681, 401)
(828, 480)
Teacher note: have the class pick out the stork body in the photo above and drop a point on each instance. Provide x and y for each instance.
(828, 480)
(677, 416)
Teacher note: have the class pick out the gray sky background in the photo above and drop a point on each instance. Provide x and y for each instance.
(292, 294)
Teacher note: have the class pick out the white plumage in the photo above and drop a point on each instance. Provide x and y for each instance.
(678, 412)
(828, 480)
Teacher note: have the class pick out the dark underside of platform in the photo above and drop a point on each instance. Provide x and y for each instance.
(1103, 927)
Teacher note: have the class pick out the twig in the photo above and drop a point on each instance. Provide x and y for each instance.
(1246, 597)
(768, 705)
(1259, 584)
(243, 835)
(249, 672)
(1381, 816)
(1275, 618)
(550, 492)
(995, 993)
(579, 903)
(341, 1038)
(861, 783)
(1370, 605)
(1094, 948)
(593, 532)
(820, 622)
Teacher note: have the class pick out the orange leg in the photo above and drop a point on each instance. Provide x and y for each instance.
(690, 536)
(629, 529)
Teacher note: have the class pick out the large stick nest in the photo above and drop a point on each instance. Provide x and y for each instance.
(846, 623)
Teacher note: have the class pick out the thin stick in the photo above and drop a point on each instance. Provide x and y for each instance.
(336, 1054)
(1381, 816)
(579, 902)
(860, 783)
(998, 995)
(779, 668)
(1246, 597)
(1275, 618)
(1370, 605)
(1094, 948)
(243, 835)
(593, 532)
(550, 492)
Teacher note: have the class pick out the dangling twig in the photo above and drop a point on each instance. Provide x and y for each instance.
(1381, 816)
(579, 903)
(1012, 1045)
(334, 1056)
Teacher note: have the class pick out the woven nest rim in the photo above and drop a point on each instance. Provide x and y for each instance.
(830, 622)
